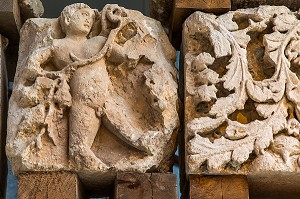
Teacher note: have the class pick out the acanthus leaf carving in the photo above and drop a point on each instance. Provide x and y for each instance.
(254, 113)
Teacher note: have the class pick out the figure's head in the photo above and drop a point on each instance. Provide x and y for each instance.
(77, 18)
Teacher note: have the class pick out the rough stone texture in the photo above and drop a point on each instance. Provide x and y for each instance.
(242, 92)
(3, 111)
(49, 185)
(31, 8)
(10, 20)
(95, 101)
(182, 9)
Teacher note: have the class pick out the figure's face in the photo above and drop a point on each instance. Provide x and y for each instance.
(81, 21)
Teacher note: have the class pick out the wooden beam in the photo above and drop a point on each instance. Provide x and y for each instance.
(10, 20)
(49, 185)
(3, 114)
(291, 4)
(219, 187)
(182, 9)
(146, 186)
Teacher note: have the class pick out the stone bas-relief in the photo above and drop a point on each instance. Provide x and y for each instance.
(94, 92)
(242, 91)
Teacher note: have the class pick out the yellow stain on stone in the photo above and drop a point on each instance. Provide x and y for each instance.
(222, 129)
(241, 118)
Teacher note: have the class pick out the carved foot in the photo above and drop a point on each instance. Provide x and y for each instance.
(88, 160)
(92, 162)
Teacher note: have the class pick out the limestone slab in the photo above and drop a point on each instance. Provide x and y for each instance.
(94, 92)
(242, 92)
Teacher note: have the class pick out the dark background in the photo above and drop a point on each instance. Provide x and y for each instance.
(54, 7)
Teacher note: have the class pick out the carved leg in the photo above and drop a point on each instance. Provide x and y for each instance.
(143, 141)
(83, 128)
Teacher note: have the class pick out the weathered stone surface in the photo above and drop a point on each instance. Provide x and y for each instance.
(31, 8)
(3, 111)
(97, 101)
(242, 92)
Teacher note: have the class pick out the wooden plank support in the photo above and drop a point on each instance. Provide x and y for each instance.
(291, 4)
(49, 185)
(219, 187)
(146, 186)
(182, 9)
(3, 114)
(10, 20)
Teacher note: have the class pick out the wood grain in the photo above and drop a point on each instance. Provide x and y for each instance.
(292, 4)
(145, 186)
(49, 186)
(219, 187)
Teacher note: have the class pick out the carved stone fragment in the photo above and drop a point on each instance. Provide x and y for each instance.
(31, 8)
(94, 92)
(242, 91)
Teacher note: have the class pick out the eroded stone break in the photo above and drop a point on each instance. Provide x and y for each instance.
(242, 114)
(94, 92)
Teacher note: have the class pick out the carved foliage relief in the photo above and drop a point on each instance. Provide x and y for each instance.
(94, 92)
(242, 91)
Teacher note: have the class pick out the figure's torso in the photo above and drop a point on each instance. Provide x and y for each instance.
(89, 84)
(63, 48)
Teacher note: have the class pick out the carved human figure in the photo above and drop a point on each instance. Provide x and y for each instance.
(94, 93)
(83, 61)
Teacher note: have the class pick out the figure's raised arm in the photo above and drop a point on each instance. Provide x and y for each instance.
(38, 59)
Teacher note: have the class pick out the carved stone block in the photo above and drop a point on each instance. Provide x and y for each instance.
(94, 92)
(242, 92)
